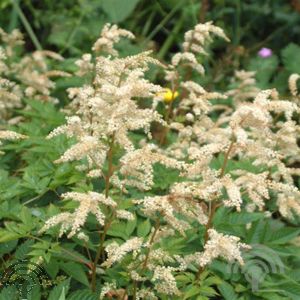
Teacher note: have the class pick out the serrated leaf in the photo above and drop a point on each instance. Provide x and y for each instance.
(144, 228)
(227, 291)
(207, 291)
(257, 232)
(118, 10)
(264, 68)
(59, 292)
(130, 226)
(291, 58)
(83, 295)
(191, 291)
(6, 236)
(284, 235)
(76, 271)
(7, 247)
(291, 290)
(118, 230)
(9, 292)
(35, 293)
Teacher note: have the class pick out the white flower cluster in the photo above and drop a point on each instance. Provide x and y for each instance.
(136, 167)
(252, 134)
(165, 282)
(145, 294)
(115, 252)
(293, 79)
(33, 73)
(288, 200)
(195, 42)
(88, 203)
(211, 187)
(162, 266)
(255, 185)
(106, 289)
(106, 111)
(10, 136)
(110, 35)
(196, 39)
(11, 40)
(10, 91)
(219, 245)
(195, 100)
(29, 77)
(258, 128)
(170, 207)
(198, 99)
(245, 88)
(226, 246)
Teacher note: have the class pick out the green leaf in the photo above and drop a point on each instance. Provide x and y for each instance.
(290, 289)
(130, 226)
(244, 218)
(191, 291)
(164, 177)
(23, 249)
(76, 271)
(291, 58)
(264, 68)
(284, 235)
(207, 291)
(213, 280)
(6, 236)
(8, 293)
(144, 228)
(118, 10)
(83, 295)
(118, 230)
(52, 268)
(7, 247)
(183, 279)
(59, 292)
(35, 293)
(227, 291)
(44, 111)
(257, 232)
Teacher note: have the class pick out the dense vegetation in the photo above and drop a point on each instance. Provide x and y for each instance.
(150, 149)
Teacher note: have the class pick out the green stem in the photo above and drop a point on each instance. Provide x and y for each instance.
(107, 224)
(72, 34)
(98, 255)
(13, 19)
(156, 228)
(110, 166)
(27, 26)
(145, 262)
(226, 159)
(215, 204)
(162, 23)
(168, 43)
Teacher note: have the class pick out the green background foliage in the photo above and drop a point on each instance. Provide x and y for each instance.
(30, 183)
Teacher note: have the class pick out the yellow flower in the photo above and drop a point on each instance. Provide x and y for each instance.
(168, 95)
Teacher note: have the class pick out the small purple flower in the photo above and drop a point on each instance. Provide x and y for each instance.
(265, 52)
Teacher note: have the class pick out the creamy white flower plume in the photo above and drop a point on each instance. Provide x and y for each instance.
(220, 245)
(88, 203)
(116, 252)
(110, 35)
